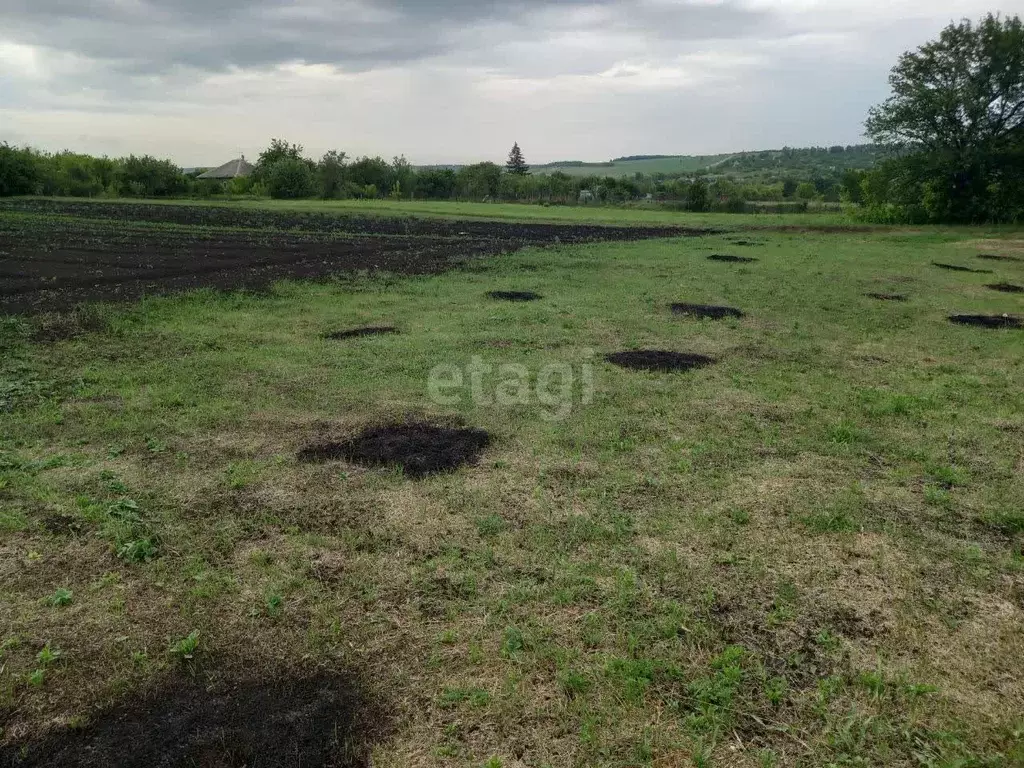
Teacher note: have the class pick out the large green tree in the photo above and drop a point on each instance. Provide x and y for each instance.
(956, 114)
(278, 150)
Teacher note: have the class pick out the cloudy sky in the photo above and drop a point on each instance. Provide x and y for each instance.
(201, 81)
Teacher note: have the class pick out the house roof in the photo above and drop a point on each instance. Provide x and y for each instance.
(230, 170)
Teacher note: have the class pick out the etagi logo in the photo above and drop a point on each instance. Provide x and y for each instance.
(558, 387)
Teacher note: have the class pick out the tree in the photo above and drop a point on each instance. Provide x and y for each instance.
(330, 173)
(479, 180)
(18, 171)
(148, 176)
(372, 172)
(697, 196)
(290, 179)
(436, 183)
(516, 164)
(279, 149)
(806, 191)
(958, 101)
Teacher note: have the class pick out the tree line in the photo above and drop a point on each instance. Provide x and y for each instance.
(284, 172)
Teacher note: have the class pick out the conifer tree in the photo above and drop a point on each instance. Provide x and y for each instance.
(516, 164)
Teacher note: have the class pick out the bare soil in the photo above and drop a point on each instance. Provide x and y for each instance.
(514, 295)
(988, 321)
(276, 721)
(83, 252)
(419, 449)
(354, 333)
(1006, 287)
(706, 311)
(958, 268)
(729, 258)
(659, 360)
(887, 296)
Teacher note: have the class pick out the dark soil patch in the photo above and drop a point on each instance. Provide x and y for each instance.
(998, 257)
(658, 360)
(80, 252)
(419, 449)
(744, 242)
(988, 321)
(886, 296)
(728, 257)
(705, 311)
(958, 268)
(1006, 287)
(63, 525)
(277, 721)
(514, 295)
(354, 333)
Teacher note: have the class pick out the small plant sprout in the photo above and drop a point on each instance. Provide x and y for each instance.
(185, 648)
(60, 598)
(36, 677)
(274, 605)
(48, 655)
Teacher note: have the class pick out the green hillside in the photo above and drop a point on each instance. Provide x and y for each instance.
(801, 162)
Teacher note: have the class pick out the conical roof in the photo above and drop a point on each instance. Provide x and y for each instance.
(230, 170)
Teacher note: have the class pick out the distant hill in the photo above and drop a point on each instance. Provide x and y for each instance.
(799, 162)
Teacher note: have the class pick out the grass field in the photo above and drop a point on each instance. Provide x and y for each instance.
(806, 554)
(668, 165)
(641, 215)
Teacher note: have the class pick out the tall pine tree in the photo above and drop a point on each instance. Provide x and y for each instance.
(516, 164)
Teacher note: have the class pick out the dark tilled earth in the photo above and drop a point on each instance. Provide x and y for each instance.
(287, 721)
(73, 252)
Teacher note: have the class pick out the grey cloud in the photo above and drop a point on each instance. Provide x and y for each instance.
(160, 37)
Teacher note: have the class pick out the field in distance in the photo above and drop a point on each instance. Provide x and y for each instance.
(802, 163)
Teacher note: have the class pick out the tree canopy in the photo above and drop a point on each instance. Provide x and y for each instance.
(956, 120)
(960, 93)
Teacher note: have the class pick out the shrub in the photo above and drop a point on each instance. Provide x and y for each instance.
(18, 171)
(290, 179)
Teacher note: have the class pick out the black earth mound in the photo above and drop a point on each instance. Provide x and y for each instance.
(514, 295)
(886, 296)
(279, 721)
(998, 257)
(658, 360)
(705, 311)
(1006, 287)
(744, 242)
(355, 333)
(727, 257)
(957, 268)
(419, 449)
(988, 321)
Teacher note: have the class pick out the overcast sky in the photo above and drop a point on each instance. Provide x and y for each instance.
(201, 81)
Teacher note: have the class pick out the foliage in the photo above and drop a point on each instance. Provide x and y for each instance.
(331, 174)
(476, 182)
(18, 174)
(278, 150)
(290, 178)
(147, 176)
(957, 113)
(516, 165)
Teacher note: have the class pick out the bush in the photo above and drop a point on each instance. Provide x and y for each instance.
(149, 177)
(290, 179)
(18, 171)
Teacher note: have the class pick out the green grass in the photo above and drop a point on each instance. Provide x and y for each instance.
(806, 554)
(668, 165)
(638, 215)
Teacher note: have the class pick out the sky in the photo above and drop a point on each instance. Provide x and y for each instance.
(203, 81)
